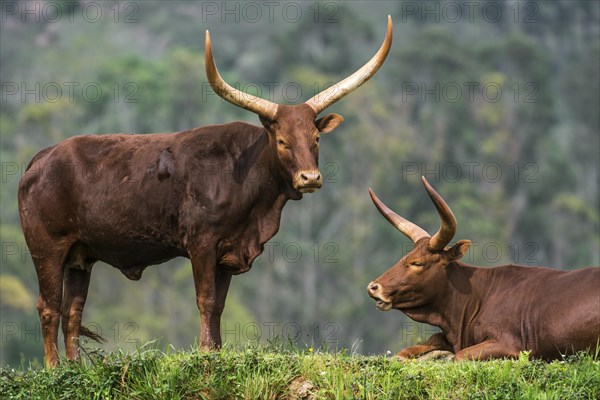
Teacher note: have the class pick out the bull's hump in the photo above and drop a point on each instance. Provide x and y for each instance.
(232, 138)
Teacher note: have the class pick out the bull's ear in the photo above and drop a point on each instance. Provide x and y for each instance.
(267, 123)
(458, 251)
(328, 123)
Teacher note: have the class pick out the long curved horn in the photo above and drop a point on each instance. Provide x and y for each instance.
(334, 93)
(448, 223)
(262, 107)
(412, 231)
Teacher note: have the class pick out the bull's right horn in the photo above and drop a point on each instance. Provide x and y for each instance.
(335, 92)
(448, 222)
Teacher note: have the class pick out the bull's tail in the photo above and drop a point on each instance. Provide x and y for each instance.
(94, 336)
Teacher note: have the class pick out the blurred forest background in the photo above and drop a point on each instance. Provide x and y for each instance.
(495, 102)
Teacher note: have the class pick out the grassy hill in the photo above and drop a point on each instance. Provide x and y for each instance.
(279, 373)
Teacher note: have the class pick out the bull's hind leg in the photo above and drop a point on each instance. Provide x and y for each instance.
(76, 284)
(50, 278)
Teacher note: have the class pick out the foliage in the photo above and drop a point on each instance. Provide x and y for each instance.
(13, 293)
(277, 372)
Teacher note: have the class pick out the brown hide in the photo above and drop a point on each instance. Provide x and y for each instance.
(489, 312)
(212, 194)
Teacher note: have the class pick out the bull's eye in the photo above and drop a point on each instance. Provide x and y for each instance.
(317, 140)
(416, 264)
(282, 143)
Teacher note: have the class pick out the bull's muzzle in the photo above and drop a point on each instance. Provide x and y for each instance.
(308, 180)
(375, 291)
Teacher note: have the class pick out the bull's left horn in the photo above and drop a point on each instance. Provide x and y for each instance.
(334, 93)
(236, 97)
(410, 230)
(448, 222)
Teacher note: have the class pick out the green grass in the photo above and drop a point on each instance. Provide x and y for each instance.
(278, 373)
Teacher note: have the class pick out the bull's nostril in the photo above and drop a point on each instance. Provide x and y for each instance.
(304, 177)
(318, 179)
(374, 287)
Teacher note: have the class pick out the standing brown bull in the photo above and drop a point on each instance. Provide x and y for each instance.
(212, 194)
(486, 312)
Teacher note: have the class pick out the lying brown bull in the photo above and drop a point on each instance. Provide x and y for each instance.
(212, 194)
(486, 312)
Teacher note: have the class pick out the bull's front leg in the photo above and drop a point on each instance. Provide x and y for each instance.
(436, 342)
(211, 285)
(488, 350)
